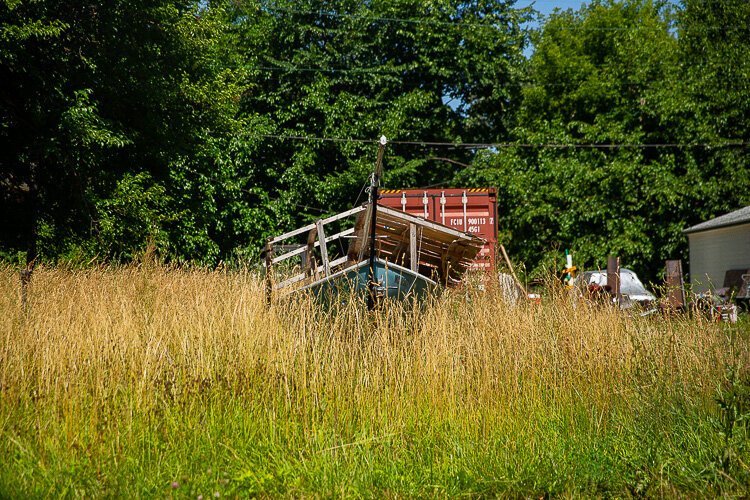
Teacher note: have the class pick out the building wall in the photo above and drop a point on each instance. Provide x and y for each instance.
(714, 252)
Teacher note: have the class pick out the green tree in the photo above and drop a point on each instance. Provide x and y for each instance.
(597, 78)
(356, 70)
(713, 105)
(117, 104)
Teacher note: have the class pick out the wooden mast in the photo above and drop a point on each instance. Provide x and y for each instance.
(374, 196)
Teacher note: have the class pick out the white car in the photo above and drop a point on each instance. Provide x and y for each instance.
(632, 290)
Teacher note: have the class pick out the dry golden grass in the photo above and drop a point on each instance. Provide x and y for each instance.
(100, 350)
(96, 330)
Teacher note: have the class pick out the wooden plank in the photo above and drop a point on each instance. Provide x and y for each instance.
(289, 255)
(309, 268)
(296, 232)
(343, 234)
(303, 249)
(323, 248)
(352, 211)
(613, 276)
(413, 251)
(361, 227)
(338, 262)
(512, 272)
(401, 216)
(308, 227)
(675, 284)
(294, 279)
(299, 277)
(428, 254)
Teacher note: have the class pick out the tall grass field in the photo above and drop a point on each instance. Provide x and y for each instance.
(160, 382)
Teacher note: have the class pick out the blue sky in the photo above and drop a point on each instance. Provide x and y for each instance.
(547, 6)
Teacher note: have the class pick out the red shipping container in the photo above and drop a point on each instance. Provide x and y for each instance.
(471, 210)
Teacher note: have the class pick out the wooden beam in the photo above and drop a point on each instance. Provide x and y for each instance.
(299, 277)
(424, 223)
(413, 250)
(343, 234)
(309, 268)
(308, 227)
(296, 232)
(675, 285)
(315, 243)
(512, 272)
(613, 276)
(269, 282)
(342, 215)
(361, 228)
(323, 248)
(294, 279)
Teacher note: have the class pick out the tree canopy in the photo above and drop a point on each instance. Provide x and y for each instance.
(626, 146)
(199, 128)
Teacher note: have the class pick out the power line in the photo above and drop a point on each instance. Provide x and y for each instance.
(401, 20)
(395, 72)
(668, 27)
(462, 24)
(311, 138)
(504, 145)
(297, 69)
(398, 73)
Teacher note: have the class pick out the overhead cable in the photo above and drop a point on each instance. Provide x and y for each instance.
(505, 145)
(297, 69)
(361, 17)
(395, 72)
(463, 24)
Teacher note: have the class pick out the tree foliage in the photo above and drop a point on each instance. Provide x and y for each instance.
(444, 70)
(202, 127)
(99, 94)
(603, 81)
(116, 103)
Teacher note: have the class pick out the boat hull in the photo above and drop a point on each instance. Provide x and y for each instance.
(393, 282)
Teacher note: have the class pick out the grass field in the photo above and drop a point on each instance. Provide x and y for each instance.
(154, 382)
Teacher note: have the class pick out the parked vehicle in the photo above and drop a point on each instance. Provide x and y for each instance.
(632, 291)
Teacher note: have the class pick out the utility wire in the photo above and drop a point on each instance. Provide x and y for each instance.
(401, 20)
(311, 138)
(397, 73)
(297, 69)
(499, 145)
(459, 23)
(647, 83)
(462, 24)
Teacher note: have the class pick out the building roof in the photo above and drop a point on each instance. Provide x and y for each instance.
(741, 216)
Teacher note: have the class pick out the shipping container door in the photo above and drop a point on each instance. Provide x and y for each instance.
(472, 211)
(468, 210)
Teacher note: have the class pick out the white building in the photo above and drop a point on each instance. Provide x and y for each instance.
(718, 245)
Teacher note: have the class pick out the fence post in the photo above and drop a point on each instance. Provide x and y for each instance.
(675, 285)
(25, 280)
(269, 281)
(613, 277)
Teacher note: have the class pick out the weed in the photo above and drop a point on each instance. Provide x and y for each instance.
(129, 381)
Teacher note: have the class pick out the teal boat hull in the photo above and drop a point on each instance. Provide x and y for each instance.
(393, 282)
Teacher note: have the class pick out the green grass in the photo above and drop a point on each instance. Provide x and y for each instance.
(159, 382)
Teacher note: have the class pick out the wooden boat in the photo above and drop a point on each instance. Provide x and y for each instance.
(391, 281)
(389, 253)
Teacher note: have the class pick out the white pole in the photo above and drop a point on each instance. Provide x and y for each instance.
(442, 206)
(465, 201)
